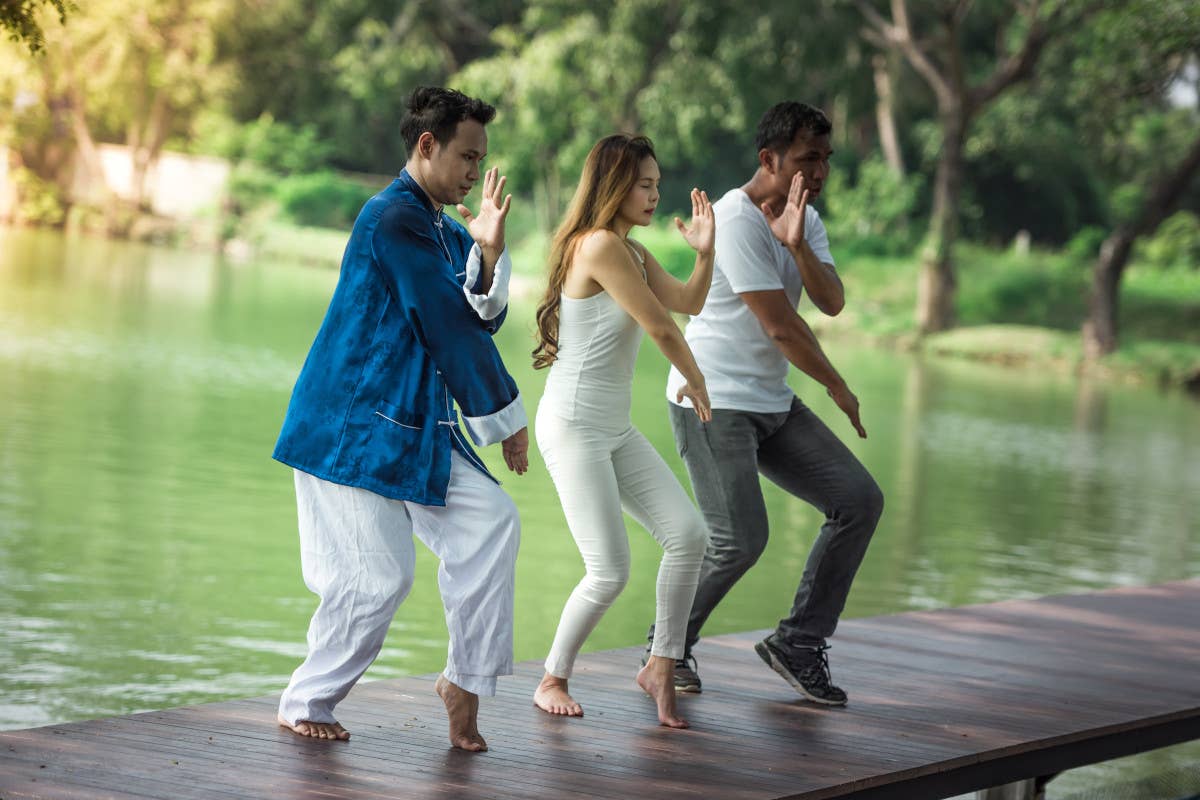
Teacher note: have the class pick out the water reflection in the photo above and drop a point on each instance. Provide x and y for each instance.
(147, 542)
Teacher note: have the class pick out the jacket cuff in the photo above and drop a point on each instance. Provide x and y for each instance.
(488, 306)
(498, 426)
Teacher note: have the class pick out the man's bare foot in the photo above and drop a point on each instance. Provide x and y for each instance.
(657, 679)
(316, 730)
(551, 696)
(462, 707)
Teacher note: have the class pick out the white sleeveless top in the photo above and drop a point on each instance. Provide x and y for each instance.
(591, 380)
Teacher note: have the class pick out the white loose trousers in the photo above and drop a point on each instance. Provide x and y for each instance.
(357, 556)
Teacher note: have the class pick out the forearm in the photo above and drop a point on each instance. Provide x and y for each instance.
(695, 291)
(820, 280)
(672, 344)
(800, 346)
(488, 258)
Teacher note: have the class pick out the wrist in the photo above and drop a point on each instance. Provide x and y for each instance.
(490, 253)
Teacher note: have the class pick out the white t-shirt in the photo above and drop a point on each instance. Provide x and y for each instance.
(743, 369)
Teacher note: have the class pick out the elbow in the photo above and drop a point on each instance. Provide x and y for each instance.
(781, 334)
(694, 308)
(832, 308)
(663, 331)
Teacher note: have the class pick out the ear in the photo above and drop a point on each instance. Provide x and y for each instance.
(767, 160)
(425, 144)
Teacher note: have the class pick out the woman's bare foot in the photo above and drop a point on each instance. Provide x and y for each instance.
(551, 696)
(316, 730)
(462, 707)
(657, 679)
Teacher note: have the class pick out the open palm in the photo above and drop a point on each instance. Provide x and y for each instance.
(487, 227)
(701, 233)
(788, 226)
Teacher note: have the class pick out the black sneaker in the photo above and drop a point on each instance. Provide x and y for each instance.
(687, 680)
(805, 668)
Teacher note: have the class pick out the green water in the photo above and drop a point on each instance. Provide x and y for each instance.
(148, 554)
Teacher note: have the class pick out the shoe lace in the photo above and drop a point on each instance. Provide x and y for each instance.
(819, 668)
(683, 662)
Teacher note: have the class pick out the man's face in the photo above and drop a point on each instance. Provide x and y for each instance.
(808, 155)
(453, 168)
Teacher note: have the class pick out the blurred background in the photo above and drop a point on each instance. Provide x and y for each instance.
(1013, 208)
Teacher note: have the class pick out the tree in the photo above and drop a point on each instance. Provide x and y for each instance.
(569, 77)
(20, 19)
(944, 46)
(1123, 72)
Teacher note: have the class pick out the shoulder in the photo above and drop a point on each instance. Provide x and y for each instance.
(600, 244)
(403, 215)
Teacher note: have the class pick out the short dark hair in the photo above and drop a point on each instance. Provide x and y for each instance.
(779, 125)
(438, 110)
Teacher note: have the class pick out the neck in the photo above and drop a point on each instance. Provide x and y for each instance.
(760, 190)
(621, 228)
(414, 171)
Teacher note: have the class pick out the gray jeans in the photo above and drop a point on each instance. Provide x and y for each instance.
(797, 452)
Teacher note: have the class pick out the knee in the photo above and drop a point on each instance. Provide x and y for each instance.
(865, 503)
(604, 586)
(741, 548)
(690, 540)
(871, 500)
(508, 523)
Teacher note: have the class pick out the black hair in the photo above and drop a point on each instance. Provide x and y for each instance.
(438, 110)
(783, 121)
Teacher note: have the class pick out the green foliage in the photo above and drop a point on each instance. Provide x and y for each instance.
(276, 146)
(1085, 245)
(21, 19)
(39, 202)
(322, 199)
(1038, 289)
(1176, 243)
(874, 215)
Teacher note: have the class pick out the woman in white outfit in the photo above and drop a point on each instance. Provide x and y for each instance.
(605, 290)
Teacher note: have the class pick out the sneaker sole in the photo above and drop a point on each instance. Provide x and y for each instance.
(690, 688)
(767, 655)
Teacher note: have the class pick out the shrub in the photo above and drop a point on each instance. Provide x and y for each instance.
(322, 199)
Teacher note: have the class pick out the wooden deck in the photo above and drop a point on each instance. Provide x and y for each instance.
(941, 702)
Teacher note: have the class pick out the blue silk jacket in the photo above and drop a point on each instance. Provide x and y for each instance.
(406, 335)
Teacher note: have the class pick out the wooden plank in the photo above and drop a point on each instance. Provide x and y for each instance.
(942, 702)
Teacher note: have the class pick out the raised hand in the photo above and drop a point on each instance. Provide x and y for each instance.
(487, 229)
(701, 234)
(788, 227)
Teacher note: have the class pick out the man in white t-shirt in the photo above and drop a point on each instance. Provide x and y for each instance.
(771, 246)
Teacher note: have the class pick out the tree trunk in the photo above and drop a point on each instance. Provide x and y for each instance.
(1100, 329)
(936, 288)
(145, 149)
(885, 117)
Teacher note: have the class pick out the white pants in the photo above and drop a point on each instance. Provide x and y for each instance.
(598, 473)
(357, 555)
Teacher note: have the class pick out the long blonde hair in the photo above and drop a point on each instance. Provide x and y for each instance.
(610, 171)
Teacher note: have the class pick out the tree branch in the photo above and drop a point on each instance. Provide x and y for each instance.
(898, 36)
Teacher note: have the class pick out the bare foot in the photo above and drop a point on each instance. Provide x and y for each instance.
(317, 730)
(657, 679)
(462, 707)
(551, 696)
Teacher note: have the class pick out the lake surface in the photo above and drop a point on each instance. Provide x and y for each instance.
(148, 553)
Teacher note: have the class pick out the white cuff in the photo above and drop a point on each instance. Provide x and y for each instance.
(499, 426)
(488, 306)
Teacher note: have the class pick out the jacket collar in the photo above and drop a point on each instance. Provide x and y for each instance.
(410, 183)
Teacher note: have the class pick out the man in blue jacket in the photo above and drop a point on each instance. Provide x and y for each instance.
(376, 443)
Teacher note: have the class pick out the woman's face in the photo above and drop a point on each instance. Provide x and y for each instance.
(638, 206)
